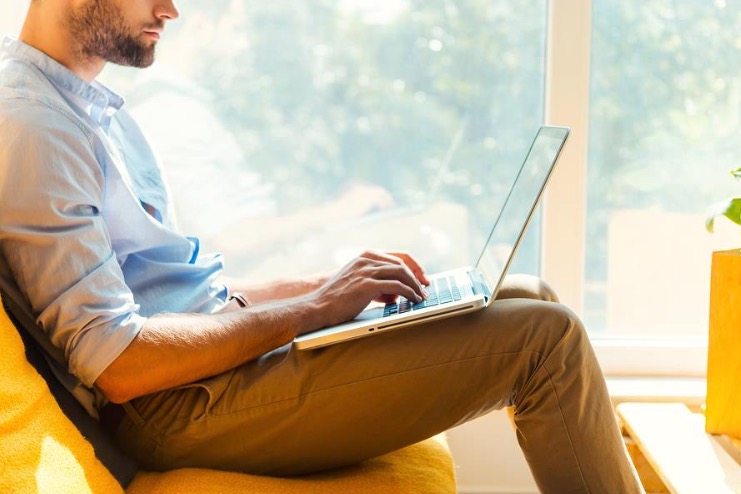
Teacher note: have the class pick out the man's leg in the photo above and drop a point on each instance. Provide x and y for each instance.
(293, 412)
(526, 286)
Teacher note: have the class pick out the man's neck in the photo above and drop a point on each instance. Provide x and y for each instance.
(46, 32)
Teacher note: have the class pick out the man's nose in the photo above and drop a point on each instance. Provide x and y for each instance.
(166, 10)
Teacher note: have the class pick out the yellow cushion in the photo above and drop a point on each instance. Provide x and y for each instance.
(422, 468)
(40, 449)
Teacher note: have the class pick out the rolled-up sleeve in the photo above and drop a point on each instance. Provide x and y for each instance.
(55, 242)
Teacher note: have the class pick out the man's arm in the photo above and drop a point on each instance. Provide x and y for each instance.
(260, 293)
(172, 350)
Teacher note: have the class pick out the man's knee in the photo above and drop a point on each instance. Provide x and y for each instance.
(564, 352)
(532, 326)
(557, 326)
(526, 286)
(568, 350)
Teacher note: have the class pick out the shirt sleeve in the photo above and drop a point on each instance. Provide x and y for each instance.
(55, 242)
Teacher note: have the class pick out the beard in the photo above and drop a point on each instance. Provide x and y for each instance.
(102, 32)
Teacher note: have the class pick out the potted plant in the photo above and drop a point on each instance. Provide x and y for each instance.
(723, 404)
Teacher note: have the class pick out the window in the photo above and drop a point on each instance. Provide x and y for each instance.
(663, 134)
(338, 124)
(328, 127)
(659, 126)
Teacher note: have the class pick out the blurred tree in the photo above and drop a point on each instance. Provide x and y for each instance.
(319, 93)
(664, 110)
(417, 94)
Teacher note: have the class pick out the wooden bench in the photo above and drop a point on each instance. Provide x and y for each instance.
(673, 441)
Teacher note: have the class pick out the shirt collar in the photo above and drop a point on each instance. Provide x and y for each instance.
(96, 100)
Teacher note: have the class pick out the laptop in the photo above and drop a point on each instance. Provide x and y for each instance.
(467, 289)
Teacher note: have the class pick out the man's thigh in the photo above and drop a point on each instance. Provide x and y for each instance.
(292, 411)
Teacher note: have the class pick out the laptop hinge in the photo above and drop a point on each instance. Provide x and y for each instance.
(479, 284)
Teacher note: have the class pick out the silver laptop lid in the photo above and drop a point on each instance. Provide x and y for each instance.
(520, 204)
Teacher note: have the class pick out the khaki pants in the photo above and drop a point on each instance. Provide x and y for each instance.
(292, 412)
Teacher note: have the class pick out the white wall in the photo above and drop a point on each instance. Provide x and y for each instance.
(488, 459)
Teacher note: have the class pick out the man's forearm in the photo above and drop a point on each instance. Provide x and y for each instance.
(259, 293)
(172, 350)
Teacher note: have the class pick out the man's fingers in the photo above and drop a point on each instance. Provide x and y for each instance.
(387, 299)
(377, 255)
(412, 264)
(404, 258)
(371, 276)
(403, 275)
(391, 288)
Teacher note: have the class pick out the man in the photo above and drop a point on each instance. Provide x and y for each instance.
(88, 254)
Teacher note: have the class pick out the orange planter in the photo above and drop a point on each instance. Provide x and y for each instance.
(723, 413)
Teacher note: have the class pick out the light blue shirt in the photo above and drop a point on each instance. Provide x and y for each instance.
(79, 254)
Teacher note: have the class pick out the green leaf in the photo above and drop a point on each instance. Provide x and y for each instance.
(736, 173)
(731, 209)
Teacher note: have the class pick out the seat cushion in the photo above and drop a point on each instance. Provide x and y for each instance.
(121, 466)
(424, 467)
(40, 449)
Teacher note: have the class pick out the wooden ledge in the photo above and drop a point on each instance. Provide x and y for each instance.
(673, 440)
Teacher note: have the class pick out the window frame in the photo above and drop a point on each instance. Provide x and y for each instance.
(563, 251)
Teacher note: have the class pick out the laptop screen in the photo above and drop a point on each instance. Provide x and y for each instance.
(520, 204)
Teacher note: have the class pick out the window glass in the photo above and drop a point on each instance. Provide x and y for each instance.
(664, 134)
(296, 134)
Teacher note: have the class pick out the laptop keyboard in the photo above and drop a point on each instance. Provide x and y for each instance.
(441, 291)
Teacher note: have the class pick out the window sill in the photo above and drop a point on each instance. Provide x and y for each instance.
(688, 390)
(639, 358)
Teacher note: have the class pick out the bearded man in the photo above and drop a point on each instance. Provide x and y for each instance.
(185, 371)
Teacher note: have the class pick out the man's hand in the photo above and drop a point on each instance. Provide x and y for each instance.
(373, 276)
